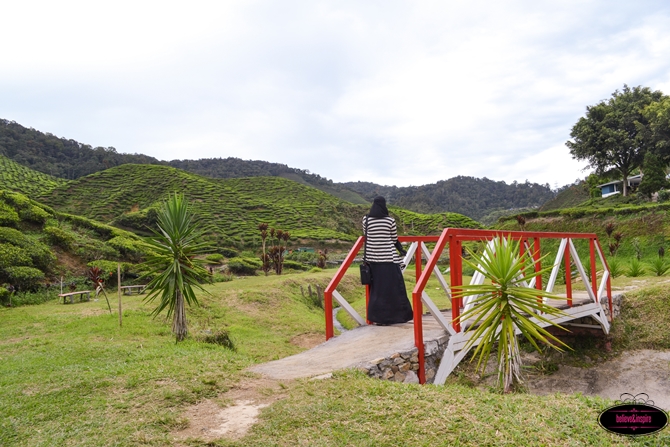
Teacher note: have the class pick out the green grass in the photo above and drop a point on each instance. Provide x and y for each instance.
(352, 410)
(70, 376)
(16, 177)
(645, 318)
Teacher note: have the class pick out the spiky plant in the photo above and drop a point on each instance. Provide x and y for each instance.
(175, 272)
(504, 306)
(659, 266)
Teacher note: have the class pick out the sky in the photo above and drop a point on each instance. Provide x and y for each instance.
(392, 92)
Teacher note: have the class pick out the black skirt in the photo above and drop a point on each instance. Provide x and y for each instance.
(388, 297)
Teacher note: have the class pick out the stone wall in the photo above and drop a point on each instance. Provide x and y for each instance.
(403, 366)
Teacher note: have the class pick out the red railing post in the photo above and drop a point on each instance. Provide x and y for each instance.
(328, 311)
(538, 264)
(367, 302)
(592, 253)
(568, 274)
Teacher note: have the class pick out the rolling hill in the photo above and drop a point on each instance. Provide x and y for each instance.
(69, 159)
(19, 178)
(229, 209)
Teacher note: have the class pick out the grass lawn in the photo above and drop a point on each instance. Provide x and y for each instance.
(70, 376)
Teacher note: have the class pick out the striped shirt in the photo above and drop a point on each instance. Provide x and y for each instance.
(382, 235)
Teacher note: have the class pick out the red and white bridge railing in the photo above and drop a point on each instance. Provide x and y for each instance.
(452, 239)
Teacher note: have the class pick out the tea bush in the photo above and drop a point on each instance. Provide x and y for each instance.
(244, 266)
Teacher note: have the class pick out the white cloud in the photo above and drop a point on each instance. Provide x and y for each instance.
(391, 92)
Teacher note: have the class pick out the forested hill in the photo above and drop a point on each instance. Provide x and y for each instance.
(69, 159)
(470, 196)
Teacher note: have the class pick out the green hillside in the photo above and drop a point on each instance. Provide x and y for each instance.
(16, 177)
(473, 197)
(39, 245)
(230, 208)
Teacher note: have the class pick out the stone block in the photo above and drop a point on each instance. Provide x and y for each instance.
(404, 367)
(399, 376)
(387, 374)
(411, 377)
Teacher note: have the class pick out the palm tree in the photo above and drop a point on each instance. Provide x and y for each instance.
(505, 305)
(176, 273)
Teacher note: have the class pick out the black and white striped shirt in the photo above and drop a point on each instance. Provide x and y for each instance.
(382, 235)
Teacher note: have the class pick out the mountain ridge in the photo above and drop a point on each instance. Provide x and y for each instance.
(470, 196)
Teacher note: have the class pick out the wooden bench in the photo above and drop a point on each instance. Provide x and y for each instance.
(128, 290)
(81, 294)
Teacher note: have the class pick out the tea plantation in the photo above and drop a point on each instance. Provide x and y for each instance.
(231, 209)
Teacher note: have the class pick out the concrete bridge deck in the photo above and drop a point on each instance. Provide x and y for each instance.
(363, 345)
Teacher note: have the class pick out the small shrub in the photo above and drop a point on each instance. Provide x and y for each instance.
(4, 296)
(61, 238)
(34, 214)
(315, 270)
(243, 266)
(11, 255)
(227, 252)
(221, 338)
(635, 269)
(659, 266)
(663, 195)
(220, 277)
(127, 247)
(24, 278)
(214, 258)
(294, 265)
(615, 267)
(8, 215)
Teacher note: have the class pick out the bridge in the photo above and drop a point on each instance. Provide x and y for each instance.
(436, 336)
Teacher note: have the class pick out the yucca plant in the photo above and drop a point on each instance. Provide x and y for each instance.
(171, 263)
(659, 266)
(505, 305)
(635, 269)
(615, 267)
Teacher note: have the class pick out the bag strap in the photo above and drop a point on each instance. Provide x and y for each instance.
(365, 244)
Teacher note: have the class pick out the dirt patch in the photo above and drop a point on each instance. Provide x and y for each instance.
(70, 262)
(634, 372)
(308, 340)
(233, 413)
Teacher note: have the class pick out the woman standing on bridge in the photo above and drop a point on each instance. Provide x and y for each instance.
(388, 297)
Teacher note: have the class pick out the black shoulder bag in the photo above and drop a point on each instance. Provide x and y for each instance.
(366, 272)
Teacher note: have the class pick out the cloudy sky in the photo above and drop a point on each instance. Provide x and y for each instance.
(402, 93)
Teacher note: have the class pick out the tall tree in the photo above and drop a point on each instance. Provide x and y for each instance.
(614, 135)
(658, 115)
(176, 271)
(653, 174)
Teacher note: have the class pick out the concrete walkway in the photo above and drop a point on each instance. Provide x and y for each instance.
(349, 350)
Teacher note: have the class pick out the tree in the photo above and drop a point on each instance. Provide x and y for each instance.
(658, 115)
(176, 272)
(614, 134)
(653, 175)
(505, 305)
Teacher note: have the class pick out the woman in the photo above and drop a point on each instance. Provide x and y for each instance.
(388, 297)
